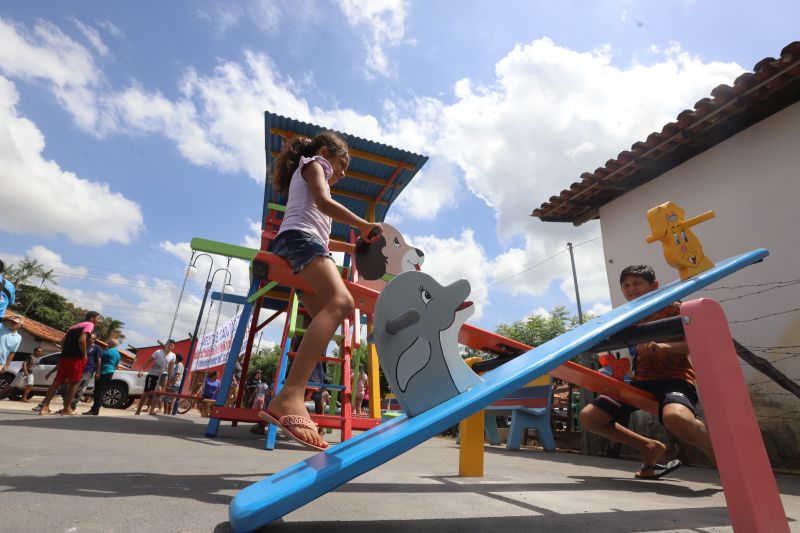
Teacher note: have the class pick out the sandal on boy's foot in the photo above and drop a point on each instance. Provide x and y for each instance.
(286, 422)
(657, 471)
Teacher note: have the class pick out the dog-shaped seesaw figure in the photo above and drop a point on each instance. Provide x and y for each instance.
(417, 321)
(379, 262)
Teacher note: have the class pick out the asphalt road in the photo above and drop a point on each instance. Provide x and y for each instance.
(126, 473)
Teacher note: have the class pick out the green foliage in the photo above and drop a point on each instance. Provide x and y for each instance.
(538, 329)
(266, 360)
(52, 309)
(109, 328)
(47, 307)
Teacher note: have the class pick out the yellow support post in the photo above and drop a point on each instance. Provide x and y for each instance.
(470, 452)
(374, 382)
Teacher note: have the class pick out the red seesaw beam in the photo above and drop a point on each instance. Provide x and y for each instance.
(279, 270)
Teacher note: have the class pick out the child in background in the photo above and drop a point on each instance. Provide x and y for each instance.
(306, 169)
(210, 389)
(664, 369)
(260, 394)
(27, 368)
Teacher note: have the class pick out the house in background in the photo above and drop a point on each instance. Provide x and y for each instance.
(35, 334)
(738, 154)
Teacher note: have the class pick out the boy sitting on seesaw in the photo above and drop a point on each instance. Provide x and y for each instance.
(663, 369)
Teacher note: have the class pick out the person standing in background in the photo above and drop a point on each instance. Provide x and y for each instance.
(7, 291)
(109, 360)
(74, 354)
(90, 371)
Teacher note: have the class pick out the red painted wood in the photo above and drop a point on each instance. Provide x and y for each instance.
(474, 337)
(754, 503)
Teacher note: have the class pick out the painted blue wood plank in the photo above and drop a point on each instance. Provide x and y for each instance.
(281, 493)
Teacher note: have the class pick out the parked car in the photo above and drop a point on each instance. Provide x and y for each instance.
(125, 386)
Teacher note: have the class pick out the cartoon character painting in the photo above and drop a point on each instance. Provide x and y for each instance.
(417, 321)
(379, 262)
(615, 365)
(682, 249)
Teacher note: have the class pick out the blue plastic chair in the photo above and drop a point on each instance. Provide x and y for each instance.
(530, 408)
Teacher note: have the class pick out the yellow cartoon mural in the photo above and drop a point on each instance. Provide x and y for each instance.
(682, 249)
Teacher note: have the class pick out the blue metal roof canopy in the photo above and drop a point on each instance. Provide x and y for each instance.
(377, 175)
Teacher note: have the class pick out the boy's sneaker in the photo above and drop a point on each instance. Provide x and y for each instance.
(37, 408)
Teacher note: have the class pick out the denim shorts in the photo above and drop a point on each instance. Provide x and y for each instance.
(299, 248)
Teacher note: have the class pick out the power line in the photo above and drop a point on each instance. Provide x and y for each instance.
(765, 316)
(752, 285)
(758, 292)
(526, 269)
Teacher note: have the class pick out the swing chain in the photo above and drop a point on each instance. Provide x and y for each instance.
(180, 297)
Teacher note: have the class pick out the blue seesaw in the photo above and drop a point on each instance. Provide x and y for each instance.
(289, 489)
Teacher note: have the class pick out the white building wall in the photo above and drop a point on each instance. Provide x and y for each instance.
(752, 182)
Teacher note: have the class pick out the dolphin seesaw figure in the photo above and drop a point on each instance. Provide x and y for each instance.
(417, 321)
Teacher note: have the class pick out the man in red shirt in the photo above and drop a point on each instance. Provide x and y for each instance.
(73, 358)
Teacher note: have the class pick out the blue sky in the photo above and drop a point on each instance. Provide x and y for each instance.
(126, 129)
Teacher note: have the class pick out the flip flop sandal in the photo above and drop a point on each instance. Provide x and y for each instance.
(658, 470)
(289, 421)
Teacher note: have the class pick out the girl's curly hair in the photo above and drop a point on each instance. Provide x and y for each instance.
(289, 158)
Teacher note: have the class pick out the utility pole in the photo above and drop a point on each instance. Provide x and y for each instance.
(584, 359)
(575, 282)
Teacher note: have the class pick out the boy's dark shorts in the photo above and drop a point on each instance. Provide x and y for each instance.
(150, 382)
(666, 391)
(299, 248)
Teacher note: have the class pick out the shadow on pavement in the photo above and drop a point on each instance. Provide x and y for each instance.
(618, 522)
(161, 425)
(204, 488)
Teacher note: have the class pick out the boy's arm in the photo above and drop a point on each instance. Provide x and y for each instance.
(145, 365)
(82, 345)
(663, 348)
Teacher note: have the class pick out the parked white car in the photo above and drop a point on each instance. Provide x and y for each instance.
(125, 386)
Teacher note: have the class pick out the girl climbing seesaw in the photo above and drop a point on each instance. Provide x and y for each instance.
(306, 168)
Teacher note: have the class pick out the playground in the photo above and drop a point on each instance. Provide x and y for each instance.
(140, 464)
(412, 326)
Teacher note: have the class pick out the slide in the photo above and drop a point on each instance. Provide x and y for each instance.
(284, 491)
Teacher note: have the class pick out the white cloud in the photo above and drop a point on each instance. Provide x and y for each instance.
(600, 309)
(382, 23)
(40, 198)
(93, 36)
(221, 17)
(111, 28)
(551, 114)
(51, 260)
(68, 68)
(451, 259)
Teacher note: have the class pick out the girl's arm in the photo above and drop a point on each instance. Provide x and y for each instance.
(315, 177)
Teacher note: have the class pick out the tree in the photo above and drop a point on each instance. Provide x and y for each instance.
(47, 307)
(109, 328)
(26, 269)
(45, 276)
(266, 360)
(538, 329)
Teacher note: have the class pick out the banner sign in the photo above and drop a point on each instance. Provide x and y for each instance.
(212, 349)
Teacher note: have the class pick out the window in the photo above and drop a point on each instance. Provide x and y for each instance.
(51, 359)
